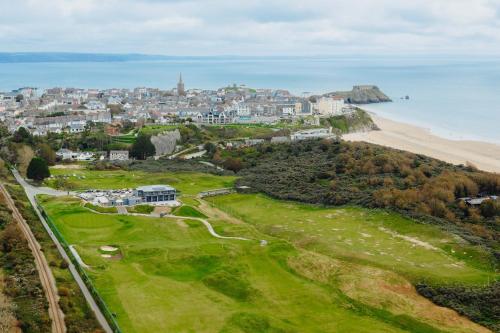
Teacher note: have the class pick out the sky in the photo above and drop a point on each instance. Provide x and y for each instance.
(255, 27)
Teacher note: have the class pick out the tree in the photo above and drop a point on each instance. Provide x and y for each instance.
(22, 135)
(233, 164)
(38, 169)
(489, 208)
(47, 153)
(142, 147)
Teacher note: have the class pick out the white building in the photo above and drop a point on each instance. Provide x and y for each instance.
(118, 155)
(330, 106)
(319, 133)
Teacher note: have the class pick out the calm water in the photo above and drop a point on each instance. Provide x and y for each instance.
(454, 98)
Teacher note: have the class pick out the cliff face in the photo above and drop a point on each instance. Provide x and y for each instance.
(165, 143)
(363, 95)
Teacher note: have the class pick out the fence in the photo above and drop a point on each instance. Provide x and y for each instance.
(86, 279)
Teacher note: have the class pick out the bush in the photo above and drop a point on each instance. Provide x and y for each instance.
(38, 169)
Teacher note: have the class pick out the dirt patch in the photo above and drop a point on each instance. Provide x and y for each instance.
(68, 166)
(162, 210)
(181, 224)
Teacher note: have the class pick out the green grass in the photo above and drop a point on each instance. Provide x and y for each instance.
(186, 182)
(189, 212)
(157, 129)
(141, 209)
(373, 237)
(101, 209)
(175, 277)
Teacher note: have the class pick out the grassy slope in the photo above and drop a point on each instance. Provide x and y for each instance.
(187, 183)
(177, 278)
(364, 236)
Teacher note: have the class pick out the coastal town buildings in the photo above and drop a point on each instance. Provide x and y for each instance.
(75, 110)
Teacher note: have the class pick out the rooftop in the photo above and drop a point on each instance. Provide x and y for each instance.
(150, 188)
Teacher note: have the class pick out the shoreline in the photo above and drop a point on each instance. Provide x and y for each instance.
(419, 140)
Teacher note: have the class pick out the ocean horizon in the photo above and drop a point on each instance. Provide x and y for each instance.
(454, 98)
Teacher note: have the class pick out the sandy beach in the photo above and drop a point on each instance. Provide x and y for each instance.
(485, 156)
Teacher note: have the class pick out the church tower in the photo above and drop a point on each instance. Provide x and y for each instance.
(180, 87)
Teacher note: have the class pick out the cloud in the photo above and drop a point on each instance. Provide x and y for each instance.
(259, 27)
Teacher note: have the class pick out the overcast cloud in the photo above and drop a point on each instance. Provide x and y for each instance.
(257, 27)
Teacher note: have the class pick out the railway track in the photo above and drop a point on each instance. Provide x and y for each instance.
(46, 277)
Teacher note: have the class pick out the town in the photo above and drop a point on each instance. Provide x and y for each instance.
(58, 110)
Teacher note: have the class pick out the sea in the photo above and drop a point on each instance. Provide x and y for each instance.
(457, 98)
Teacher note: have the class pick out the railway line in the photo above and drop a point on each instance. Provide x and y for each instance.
(46, 277)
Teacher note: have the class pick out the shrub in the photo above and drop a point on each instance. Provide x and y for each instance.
(38, 169)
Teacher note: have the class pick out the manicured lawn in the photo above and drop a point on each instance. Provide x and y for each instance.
(175, 277)
(320, 269)
(375, 237)
(188, 211)
(186, 182)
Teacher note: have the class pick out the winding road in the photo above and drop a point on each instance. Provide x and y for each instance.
(46, 278)
(31, 192)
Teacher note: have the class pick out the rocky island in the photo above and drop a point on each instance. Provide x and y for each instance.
(363, 94)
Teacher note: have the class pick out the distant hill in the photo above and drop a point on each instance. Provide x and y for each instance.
(34, 57)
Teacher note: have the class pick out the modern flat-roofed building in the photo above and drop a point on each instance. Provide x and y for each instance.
(118, 155)
(155, 193)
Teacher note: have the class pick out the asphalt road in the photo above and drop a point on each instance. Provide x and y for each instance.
(31, 192)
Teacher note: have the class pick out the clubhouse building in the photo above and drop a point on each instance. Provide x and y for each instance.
(158, 195)
(155, 193)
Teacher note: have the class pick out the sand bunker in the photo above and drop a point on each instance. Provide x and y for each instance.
(106, 256)
(107, 248)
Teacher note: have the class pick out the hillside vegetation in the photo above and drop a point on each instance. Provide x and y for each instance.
(428, 190)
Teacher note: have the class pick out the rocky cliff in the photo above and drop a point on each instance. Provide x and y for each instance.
(165, 143)
(362, 95)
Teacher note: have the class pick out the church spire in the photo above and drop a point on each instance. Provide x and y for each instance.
(180, 86)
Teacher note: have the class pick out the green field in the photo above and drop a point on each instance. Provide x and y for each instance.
(314, 274)
(187, 183)
(374, 237)
(175, 277)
